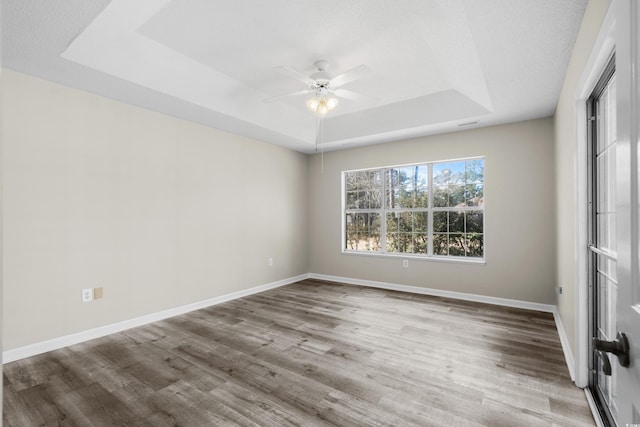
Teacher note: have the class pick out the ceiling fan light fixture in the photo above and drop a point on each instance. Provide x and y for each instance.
(322, 108)
(313, 103)
(321, 105)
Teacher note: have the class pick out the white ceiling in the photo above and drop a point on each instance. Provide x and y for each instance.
(435, 64)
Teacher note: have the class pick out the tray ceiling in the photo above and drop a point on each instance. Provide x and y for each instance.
(435, 65)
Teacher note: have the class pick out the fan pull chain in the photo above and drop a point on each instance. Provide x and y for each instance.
(320, 136)
(322, 147)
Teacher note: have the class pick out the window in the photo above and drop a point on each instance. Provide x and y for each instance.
(426, 210)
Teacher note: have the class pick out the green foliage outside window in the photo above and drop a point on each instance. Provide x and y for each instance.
(387, 210)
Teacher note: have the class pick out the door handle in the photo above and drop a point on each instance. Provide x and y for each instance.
(619, 347)
(606, 365)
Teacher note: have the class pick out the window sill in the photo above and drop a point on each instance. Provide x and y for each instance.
(456, 260)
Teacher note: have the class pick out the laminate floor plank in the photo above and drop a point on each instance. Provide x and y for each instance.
(313, 353)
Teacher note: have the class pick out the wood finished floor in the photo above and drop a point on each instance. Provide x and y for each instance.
(310, 353)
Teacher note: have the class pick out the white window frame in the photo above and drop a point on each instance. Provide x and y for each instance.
(383, 211)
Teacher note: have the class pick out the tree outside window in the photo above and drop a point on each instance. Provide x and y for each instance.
(429, 209)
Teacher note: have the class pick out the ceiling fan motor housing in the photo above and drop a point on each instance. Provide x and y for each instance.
(321, 77)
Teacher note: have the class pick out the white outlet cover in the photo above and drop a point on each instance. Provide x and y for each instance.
(87, 295)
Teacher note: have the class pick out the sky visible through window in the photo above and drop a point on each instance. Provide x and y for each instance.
(430, 209)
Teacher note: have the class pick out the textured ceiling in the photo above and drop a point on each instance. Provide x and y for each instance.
(435, 64)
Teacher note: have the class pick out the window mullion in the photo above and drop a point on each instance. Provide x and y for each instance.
(430, 212)
(383, 213)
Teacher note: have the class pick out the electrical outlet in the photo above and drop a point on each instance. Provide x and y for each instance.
(560, 290)
(270, 262)
(405, 263)
(87, 295)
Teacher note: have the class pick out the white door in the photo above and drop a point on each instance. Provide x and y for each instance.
(614, 218)
(603, 243)
(628, 165)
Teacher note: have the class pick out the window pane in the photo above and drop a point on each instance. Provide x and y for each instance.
(392, 177)
(474, 222)
(406, 222)
(440, 244)
(441, 222)
(456, 222)
(474, 171)
(406, 198)
(607, 266)
(457, 195)
(368, 232)
(351, 232)
(422, 174)
(363, 180)
(440, 197)
(375, 178)
(457, 175)
(606, 231)
(611, 112)
(421, 198)
(350, 181)
(404, 242)
(420, 222)
(362, 201)
(399, 198)
(369, 242)
(406, 175)
(457, 244)
(441, 174)
(392, 242)
(392, 232)
(351, 202)
(474, 193)
(420, 243)
(371, 238)
(375, 198)
(392, 222)
(475, 245)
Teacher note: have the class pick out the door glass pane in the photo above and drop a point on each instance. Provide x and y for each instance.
(603, 237)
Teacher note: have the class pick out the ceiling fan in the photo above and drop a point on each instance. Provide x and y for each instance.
(324, 88)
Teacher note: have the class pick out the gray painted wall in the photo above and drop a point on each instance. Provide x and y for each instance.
(519, 209)
(158, 211)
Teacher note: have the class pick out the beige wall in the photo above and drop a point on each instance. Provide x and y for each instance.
(520, 207)
(158, 211)
(564, 121)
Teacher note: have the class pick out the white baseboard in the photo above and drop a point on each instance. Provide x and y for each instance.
(594, 409)
(566, 348)
(548, 308)
(67, 340)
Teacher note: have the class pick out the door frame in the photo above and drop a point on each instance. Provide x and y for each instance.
(601, 52)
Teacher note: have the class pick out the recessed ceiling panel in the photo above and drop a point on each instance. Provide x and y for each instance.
(442, 107)
(434, 63)
(412, 47)
(221, 55)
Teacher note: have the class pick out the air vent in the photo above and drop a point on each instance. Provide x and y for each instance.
(468, 124)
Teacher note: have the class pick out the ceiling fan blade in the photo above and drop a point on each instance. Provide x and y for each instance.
(296, 75)
(353, 96)
(349, 76)
(288, 95)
